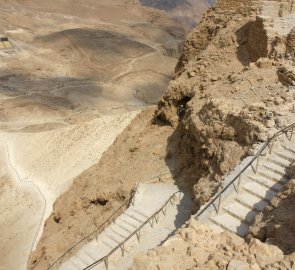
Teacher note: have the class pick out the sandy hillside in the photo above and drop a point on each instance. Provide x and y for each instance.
(38, 168)
(21, 212)
(137, 154)
(228, 95)
(77, 74)
(72, 58)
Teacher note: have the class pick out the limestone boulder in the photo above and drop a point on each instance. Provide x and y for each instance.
(265, 254)
(238, 265)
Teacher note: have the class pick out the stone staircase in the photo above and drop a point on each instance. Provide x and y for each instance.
(149, 199)
(258, 186)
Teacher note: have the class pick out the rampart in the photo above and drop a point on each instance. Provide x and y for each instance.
(272, 8)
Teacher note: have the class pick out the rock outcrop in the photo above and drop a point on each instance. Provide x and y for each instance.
(197, 247)
(276, 224)
(228, 78)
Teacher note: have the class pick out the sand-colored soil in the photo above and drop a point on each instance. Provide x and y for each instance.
(39, 168)
(77, 75)
(137, 154)
(21, 209)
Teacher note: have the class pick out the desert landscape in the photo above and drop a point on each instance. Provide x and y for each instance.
(147, 135)
(75, 77)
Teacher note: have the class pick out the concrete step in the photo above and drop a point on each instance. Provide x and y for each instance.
(78, 263)
(237, 210)
(275, 186)
(145, 206)
(142, 212)
(275, 168)
(271, 175)
(289, 148)
(250, 201)
(114, 237)
(84, 257)
(274, 159)
(108, 242)
(119, 231)
(286, 155)
(125, 226)
(135, 215)
(92, 254)
(231, 223)
(259, 191)
(96, 251)
(69, 265)
(130, 221)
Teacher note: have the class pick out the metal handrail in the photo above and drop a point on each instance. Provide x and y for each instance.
(101, 227)
(255, 157)
(136, 232)
(107, 221)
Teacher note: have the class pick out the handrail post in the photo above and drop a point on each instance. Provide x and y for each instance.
(106, 263)
(239, 183)
(292, 130)
(219, 202)
(151, 221)
(138, 236)
(257, 164)
(271, 143)
(123, 249)
(164, 209)
(172, 200)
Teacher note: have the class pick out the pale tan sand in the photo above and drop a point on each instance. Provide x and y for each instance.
(41, 166)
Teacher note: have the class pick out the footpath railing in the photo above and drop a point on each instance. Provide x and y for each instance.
(76, 247)
(137, 233)
(269, 143)
(95, 233)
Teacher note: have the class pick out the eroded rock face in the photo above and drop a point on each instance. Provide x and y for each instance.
(265, 254)
(197, 247)
(211, 142)
(276, 224)
(286, 75)
(231, 75)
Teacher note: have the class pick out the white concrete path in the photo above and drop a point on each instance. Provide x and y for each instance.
(241, 203)
(150, 199)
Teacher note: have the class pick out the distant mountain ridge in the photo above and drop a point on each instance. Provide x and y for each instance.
(188, 12)
(164, 4)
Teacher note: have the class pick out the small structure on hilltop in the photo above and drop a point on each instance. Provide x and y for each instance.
(273, 8)
(5, 43)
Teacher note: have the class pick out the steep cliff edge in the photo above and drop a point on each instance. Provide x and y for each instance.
(276, 225)
(220, 101)
(219, 105)
(197, 247)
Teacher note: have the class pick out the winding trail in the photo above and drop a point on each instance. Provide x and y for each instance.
(130, 65)
(32, 186)
(157, 211)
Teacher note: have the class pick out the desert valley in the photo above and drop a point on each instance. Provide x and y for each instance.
(147, 134)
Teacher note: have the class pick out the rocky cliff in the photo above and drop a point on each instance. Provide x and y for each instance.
(197, 247)
(228, 94)
(220, 98)
(275, 225)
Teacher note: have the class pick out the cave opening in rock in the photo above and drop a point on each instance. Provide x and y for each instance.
(99, 201)
(181, 107)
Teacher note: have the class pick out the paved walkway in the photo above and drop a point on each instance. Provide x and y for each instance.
(150, 198)
(242, 202)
